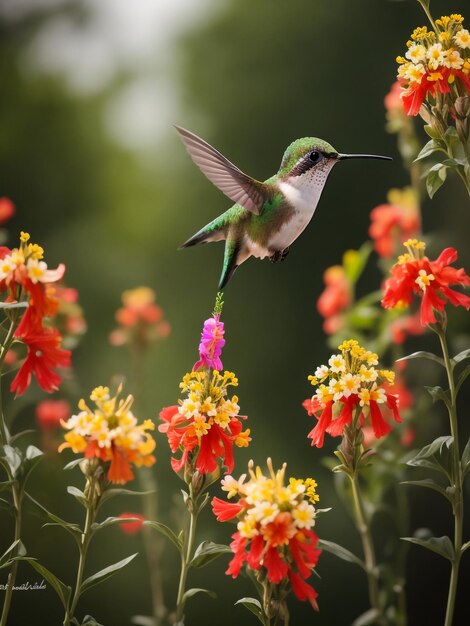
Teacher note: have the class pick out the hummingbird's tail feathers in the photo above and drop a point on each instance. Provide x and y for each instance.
(206, 234)
(232, 249)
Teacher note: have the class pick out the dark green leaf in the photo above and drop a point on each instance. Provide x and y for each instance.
(105, 573)
(61, 589)
(73, 529)
(192, 592)
(79, 495)
(6, 485)
(423, 355)
(21, 434)
(430, 484)
(462, 378)
(112, 493)
(437, 393)
(465, 546)
(208, 551)
(461, 356)
(16, 549)
(436, 178)
(254, 606)
(32, 457)
(367, 618)
(465, 460)
(164, 530)
(434, 456)
(432, 132)
(340, 552)
(440, 545)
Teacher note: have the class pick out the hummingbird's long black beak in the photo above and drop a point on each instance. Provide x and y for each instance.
(343, 157)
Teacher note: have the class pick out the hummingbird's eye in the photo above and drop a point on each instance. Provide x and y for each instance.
(314, 156)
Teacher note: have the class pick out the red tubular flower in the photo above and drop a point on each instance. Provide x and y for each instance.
(7, 210)
(415, 274)
(274, 533)
(335, 298)
(44, 355)
(352, 382)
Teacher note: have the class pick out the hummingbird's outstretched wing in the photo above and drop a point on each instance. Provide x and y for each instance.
(242, 189)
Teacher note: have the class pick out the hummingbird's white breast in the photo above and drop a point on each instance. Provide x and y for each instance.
(303, 193)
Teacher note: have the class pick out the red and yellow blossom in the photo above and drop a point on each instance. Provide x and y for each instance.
(435, 62)
(110, 433)
(350, 380)
(140, 319)
(206, 424)
(274, 529)
(415, 274)
(395, 222)
(25, 278)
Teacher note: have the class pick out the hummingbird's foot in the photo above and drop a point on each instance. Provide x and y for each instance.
(284, 254)
(276, 256)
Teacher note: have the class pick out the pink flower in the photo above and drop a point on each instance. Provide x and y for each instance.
(212, 342)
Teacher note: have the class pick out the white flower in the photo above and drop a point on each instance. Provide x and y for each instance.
(304, 515)
(416, 53)
(462, 39)
(321, 373)
(414, 73)
(453, 59)
(436, 56)
(337, 363)
(349, 384)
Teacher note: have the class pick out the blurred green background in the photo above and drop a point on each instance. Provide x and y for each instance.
(101, 180)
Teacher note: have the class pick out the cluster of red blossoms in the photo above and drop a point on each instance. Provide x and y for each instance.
(335, 298)
(350, 382)
(274, 531)
(206, 424)
(415, 274)
(24, 278)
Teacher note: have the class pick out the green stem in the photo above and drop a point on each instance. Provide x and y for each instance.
(3, 353)
(86, 536)
(17, 498)
(368, 547)
(186, 556)
(429, 16)
(457, 479)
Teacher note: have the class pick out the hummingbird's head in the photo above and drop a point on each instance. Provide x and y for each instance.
(310, 154)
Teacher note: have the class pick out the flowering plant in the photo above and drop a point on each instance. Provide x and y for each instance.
(274, 536)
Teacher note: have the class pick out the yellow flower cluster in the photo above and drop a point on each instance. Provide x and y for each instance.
(110, 428)
(266, 497)
(207, 402)
(351, 373)
(431, 53)
(28, 259)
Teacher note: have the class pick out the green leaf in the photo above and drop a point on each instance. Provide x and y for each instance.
(112, 493)
(61, 589)
(465, 460)
(437, 393)
(340, 552)
(73, 464)
(88, 620)
(79, 495)
(434, 456)
(465, 546)
(436, 178)
(11, 551)
(112, 521)
(461, 356)
(73, 529)
(254, 606)
(6, 485)
(206, 552)
(423, 355)
(105, 573)
(354, 262)
(12, 456)
(22, 433)
(462, 378)
(366, 619)
(165, 530)
(430, 484)
(32, 457)
(431, 132)
(192, 592)
(440, 545)
(430, 148)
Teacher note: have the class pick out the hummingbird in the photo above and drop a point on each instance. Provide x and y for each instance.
(268, 216)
